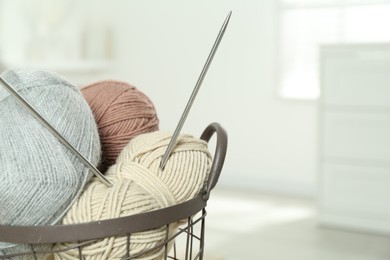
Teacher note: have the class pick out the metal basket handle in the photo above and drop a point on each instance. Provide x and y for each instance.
(219, 156)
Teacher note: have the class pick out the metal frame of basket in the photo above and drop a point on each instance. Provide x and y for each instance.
(81, 235)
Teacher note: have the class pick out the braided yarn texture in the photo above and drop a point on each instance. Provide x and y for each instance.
(121, 112)
(140, 186)
(40, 178)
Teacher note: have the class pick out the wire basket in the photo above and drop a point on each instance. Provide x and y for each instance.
(185, 242)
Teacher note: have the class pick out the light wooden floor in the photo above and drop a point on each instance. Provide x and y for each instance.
(244, 225)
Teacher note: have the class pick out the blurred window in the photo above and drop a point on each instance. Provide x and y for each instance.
(304, 25)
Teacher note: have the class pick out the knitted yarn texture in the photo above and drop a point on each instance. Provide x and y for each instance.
(140, 186)
(40, 178)
(121, 112)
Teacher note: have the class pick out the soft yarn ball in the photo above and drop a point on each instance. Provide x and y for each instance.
(40, 178)
(121, 112)
(140, 186)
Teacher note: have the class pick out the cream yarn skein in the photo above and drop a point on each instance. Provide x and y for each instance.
(140, 186)
(40, 178)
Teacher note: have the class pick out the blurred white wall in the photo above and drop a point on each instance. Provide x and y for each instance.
(161, 46)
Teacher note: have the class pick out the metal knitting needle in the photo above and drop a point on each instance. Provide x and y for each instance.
(194, 93)
(55, 133)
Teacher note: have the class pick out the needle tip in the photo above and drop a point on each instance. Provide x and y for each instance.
(226, 20)
(229, 14)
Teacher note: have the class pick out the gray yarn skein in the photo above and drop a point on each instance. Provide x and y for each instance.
(39, 177)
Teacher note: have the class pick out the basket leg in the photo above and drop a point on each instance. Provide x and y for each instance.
(191, 230)
(128, 247)
(188, 237)
(174, 250)
(34, 253)
(80, 251)
(202, 233)
(166, 242)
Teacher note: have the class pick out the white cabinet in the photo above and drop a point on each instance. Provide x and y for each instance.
(354, 123)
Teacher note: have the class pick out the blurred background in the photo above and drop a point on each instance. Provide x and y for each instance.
(301, 86)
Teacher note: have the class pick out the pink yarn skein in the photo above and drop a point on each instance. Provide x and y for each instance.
(121, 112)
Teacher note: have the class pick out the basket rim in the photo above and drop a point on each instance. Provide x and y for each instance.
(102, 228)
